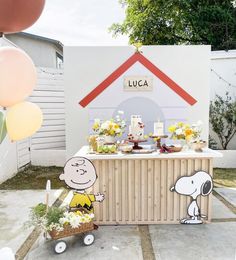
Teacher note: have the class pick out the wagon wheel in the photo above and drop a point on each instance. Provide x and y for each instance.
(60, 246)
(88, 239)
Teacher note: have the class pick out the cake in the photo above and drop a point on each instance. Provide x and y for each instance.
(136, 128)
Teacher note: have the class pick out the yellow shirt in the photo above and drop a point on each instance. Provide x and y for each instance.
(83, 200)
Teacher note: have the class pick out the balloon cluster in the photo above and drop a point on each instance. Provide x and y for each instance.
(17, 72)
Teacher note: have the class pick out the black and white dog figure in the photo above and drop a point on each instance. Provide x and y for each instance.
(195, 185)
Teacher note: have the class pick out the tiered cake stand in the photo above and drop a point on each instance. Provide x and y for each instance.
(159, 137)
(136, 142)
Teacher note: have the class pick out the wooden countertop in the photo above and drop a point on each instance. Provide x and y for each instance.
(207, 153)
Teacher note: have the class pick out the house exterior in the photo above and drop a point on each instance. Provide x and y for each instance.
(45, 52)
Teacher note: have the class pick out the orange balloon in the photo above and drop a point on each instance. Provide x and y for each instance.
(17, 15)
(17, 76)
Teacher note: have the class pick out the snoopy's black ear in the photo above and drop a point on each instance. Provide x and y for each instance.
(206, 188)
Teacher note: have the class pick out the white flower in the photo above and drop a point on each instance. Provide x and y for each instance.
(55, 226)
(118, 119)
(67, 214)
(91, 215)
(123, 124)
(120, 112)
(62, 221)
(179, 131)
(97, 120)
(199, 123)
(75, 222)
(105, 125)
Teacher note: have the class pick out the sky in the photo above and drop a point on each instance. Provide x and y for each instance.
(80, 22)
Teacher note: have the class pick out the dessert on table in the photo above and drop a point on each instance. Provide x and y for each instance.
(136, 132)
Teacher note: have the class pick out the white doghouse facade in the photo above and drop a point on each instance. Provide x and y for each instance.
(96, 80)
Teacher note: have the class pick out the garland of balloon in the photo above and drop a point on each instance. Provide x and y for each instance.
(18, 76)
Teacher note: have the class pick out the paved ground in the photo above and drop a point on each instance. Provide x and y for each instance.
(229, 194)
(213, 241)
(14, 213)
(220, 211)
(112, 242)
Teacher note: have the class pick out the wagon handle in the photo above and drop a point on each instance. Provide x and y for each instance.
(82, 209)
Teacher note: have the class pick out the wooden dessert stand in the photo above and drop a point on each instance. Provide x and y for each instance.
(136, 142)
(159, 137)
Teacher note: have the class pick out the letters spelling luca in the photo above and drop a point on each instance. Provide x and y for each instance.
(138, 83)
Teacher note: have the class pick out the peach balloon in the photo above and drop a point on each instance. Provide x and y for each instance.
(17, 76)
(23, 120)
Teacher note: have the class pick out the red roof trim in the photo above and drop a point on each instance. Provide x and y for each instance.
(168, 81)
(107, 82)
(124, 67)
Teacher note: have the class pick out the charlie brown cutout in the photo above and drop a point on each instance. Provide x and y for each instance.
(80, 174)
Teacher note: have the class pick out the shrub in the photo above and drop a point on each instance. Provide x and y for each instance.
(223, 118)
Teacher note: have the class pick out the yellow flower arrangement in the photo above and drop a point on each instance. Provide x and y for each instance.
(172, 128)
(112, 127)
(183, 131)
(57, 218)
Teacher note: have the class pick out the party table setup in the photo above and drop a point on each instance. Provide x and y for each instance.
(137, 120)
(147, 178)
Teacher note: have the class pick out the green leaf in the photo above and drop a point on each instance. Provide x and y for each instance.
(3, 128)
(156, 22)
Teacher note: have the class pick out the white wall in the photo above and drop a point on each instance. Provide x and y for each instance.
(224, 64)
(227, 161)
(43, 53)
(86, 67)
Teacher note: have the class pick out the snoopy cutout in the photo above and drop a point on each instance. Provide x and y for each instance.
(80, 174)
(198, 184)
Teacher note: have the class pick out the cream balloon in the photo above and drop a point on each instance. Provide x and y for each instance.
(17, 76)
(23, 120)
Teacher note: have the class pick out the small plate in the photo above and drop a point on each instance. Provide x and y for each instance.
(144, 151)
(106, 153)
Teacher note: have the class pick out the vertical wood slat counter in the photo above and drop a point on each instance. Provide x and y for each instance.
(137, 186)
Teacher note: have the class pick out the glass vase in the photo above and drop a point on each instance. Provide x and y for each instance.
(109, 139)
(186, 146)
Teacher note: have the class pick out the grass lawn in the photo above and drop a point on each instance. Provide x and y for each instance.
(224, 177)
(35, 177)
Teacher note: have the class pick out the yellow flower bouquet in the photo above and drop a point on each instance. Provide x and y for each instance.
(113, 127)
(183, 131)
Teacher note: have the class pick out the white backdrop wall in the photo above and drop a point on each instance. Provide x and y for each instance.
(224, 64)
(86, 67)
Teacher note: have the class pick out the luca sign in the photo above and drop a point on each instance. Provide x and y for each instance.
(138, 83)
